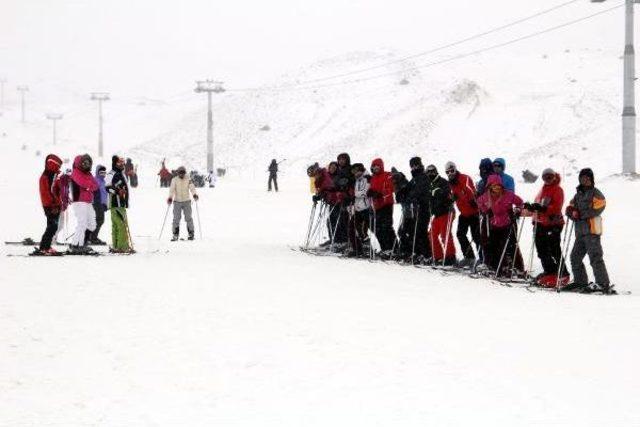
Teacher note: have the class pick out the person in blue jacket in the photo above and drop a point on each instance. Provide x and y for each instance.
(99, 204)
(499, 166)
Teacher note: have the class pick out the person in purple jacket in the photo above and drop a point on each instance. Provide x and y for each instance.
(99, 204)
(83, 185)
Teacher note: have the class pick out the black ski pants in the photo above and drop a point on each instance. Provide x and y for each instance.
(548, 242)
(273, 178)
(383, 220)
(338, 223)
(466, 224)
(100, 209)
(50, 231)
(358, 228)
(503, 241)
(417, 226)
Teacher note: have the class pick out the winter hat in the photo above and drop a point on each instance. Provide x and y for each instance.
(100, 168)
(52, 163)
(415, 161)
(114, 161)
(450, 165)
(358, 167)
(587, 172)
(494, 180)
(344, 156)
(378, 162)
(486, 164)
(548, 171)
(181, 169)
(501, 162)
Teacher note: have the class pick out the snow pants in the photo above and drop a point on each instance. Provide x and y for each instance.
(274, 179)
(588, 244)
(503, 241)
(86, 222)
(548, 242)
(383, 221)
(415, 228)
(358, 230)
(100, 210)
(50, 231)
(466, 224)
(119, 229)
(178, 208)
(441, 238)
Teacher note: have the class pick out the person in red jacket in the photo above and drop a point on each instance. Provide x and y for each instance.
(51, 203)
(326, 191)
(548, 223)
(381, 194)
(464, 195)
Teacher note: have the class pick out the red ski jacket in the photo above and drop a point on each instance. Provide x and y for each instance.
(326, 188)
(551, 197)
(381, 183)
(48, 196)
(464, 192)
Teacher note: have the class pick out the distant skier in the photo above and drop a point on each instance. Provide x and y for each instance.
(165, 175)
(83, 185)
(273, 175)
(51, 203)
(100, 199)
(131, 172)
(116, 185)
(584, 210)
(179, 190)
(211, 179)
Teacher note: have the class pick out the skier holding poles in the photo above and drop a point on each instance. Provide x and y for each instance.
(118, 189)
(51, 203)
(179, 194)
(464, 195)
(441, 208)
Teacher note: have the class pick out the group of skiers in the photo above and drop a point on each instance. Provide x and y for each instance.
(358, 204)
(90, 196)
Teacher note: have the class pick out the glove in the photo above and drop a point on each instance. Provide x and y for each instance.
(572, 212)
(169, 200)
(122, 193)
(196, 197)
(316, 198)
(538, 207)
(473, 203)
(528, 206)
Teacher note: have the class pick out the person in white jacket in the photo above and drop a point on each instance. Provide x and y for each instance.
(359, 211)
(180, 192)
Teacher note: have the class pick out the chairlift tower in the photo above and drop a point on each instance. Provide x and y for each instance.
(209, 87)
(22, 90)
(54, 118)
(100, 97)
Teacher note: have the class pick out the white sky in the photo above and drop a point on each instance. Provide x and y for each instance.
(156, 47)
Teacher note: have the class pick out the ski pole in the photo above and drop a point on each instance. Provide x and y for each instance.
(335, 230)
(446, 239)
(504, 251)
(415, 232)
(313, 213)
(533, 246)
(563, 254)
(125, 217)
(164, 221)
(517, 245)
(199, 223)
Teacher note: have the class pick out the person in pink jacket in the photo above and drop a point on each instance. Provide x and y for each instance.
(501, 206)
(83, 185)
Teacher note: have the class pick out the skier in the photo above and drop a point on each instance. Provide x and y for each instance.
(100, 198)
(311, 170)
(499, 205)
(418, 196)
(116, 185)
(381, 194)
(165, 175)
(83, 185)
(464, 195)
(51, 203)
(485, 169)
(61, 186)
(211, 179)
(548, 223)
(584, 210)
(407, 223)
(131, 173)
(273, 175)
(499, 166)
(441, 209)
(179, 191)
(359, 212)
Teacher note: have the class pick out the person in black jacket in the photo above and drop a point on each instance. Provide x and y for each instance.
(441, 208)
(273, 175)
(417, 195)
(116, 186)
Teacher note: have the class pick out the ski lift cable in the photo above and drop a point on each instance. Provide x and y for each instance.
(433, 50)
(443, 61)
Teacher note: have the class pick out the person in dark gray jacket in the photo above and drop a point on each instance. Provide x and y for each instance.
(585, 209)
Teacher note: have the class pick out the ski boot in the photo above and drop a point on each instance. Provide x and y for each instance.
(191, 236)
(176, 234)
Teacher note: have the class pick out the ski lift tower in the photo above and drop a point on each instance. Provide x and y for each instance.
(22, 90)
(209, 87)
(100, 97)
(629, 108)
(54, 118)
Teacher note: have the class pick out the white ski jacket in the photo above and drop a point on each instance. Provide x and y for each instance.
(180, 188)
(361, 187)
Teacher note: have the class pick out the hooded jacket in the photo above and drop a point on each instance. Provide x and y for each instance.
(419, 191)
(464, 194)
(381, 183)
(325, 187)
(486, 170)
(590, 203)
(507, 180)
(83, 184)
(498, 209)
(49, 194)
(551, 198)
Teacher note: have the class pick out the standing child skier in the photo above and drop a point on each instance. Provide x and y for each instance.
(100, 199)
(83, 185)
(584, 210)
(116, 185)
(51, 203)
(179, 190)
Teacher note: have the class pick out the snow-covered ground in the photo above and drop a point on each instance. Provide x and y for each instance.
(238, 329)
